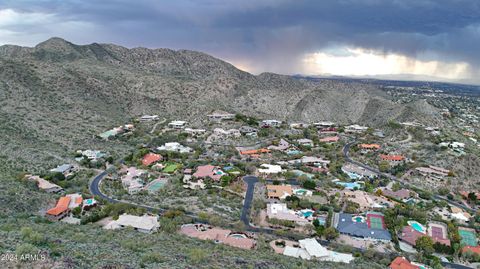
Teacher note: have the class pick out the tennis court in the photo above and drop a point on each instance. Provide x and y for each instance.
(437, 232)
(468, 237)
(376, 222)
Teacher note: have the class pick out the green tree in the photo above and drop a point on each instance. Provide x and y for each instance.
(425, 245)
(330, 233)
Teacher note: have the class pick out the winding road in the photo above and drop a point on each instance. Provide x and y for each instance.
(346, 150)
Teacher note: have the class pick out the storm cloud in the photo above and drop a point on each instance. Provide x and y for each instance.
(276, 36)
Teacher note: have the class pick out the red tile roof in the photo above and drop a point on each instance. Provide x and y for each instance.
(402, 263)
(410, 235)
(254, 151)
(369, 146)
(392, 157)
(151, 158)
(62, 206)
(330, 139)
(210, 171)
(471, 249)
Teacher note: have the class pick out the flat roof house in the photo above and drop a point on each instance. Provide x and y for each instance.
(64, 169)
(149, 118)
(270, 123)
(177, 124)
(371, 227)
(305, 142)
(281, 212)
(309, 249)
(270, 169)
(329, 139)
(219, 115)
(175, 146)
(145, 223)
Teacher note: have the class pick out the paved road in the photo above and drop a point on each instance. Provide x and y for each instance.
(247, 204)
(346, 150)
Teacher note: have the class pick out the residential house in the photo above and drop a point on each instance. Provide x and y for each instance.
(270, 123)
(436, 230)
(248, 130)
(282, 145)
(369, 147)
(177, 124)
(299, 125)
(370, 227)
(324, 124)
(355, 128)
(402, 263)
(310, 249)
(310, 160)
(65, 169)
(195, 132)
(149, 118)
(127, 128)
(208, 171)
(133, 179)
(460, 215)
(45, 185)
(60, 211)
(219, 115)
(231, 133)
(357, 172)
(281, 212)
(269, 169)
(145, 223)
(328, 130)
(89, 203)
(393, 159)
(402, 194)
(176, 147)
(227, 237)
(433, 172)
(279, 191)
(329, 139)
(305, 142)
(365, 200)
(92, 154)
(254, 153)
(151, 158)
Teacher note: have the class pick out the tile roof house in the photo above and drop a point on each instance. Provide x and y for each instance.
(44, 185)
(371, 227)
(279, 191)
(402, 263)
(208, 171)
(399, 195)
(151, 158)
(392, 158)
(329, 139)
(227, 237)
(471, 249)
(254, 151)
(369, 146)
(410, 235)
(60, 210)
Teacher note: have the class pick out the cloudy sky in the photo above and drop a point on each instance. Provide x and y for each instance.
(426, 39)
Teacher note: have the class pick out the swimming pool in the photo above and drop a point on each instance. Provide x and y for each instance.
(358, 219)
(417, 226)
(238, 236)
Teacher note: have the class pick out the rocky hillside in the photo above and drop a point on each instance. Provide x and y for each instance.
(58, 94)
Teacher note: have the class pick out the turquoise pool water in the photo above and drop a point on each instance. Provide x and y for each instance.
(358, 219)
(417, 226)
(307, 214)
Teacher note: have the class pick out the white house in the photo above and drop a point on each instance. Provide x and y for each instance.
(270, 123)
(270, 169)
(177, 124)
(195, 132)
(220, 115)
(149, 118)
(145, 223)
(227, 133)
(175, 146)
(305, 142)
(309, 248)
(355, 128)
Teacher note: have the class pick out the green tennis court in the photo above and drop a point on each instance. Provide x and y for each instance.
(376, 222)
(468, 237)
